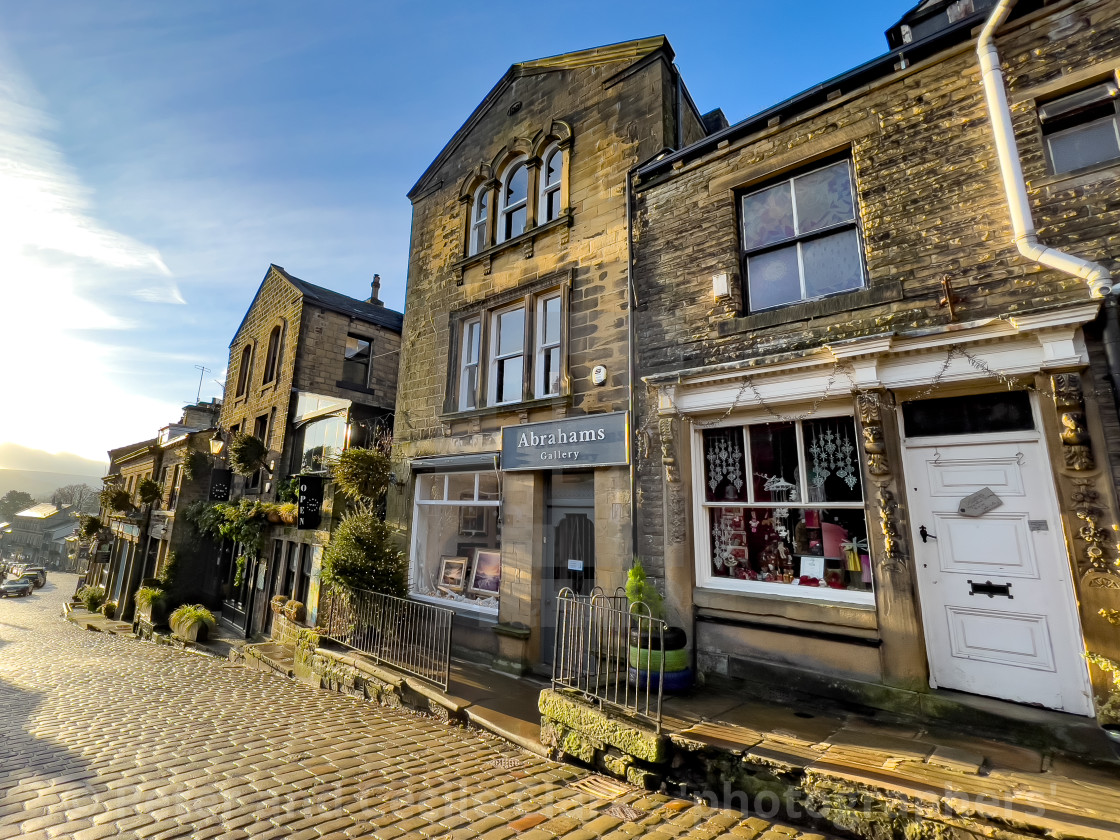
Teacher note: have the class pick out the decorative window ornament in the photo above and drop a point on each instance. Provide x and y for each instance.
(832, 455)
(725, 458)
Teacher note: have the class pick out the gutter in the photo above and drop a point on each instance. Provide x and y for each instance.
(1024, 234)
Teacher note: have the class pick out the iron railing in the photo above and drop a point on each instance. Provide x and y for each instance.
(609, 653)
(406, 635)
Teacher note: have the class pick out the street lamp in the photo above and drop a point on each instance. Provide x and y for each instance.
(217, 444)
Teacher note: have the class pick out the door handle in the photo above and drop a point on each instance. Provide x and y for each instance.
(924, 534)
(991, 589)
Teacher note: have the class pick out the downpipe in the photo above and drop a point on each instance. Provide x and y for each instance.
(1024, 235)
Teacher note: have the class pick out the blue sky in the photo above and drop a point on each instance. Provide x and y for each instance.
(156, 157)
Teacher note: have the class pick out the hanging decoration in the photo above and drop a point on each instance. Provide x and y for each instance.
(831, 452)
(725, 458)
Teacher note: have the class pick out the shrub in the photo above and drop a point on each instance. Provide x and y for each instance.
(116, 498)
(169, 574)
(188, 615)
(362, 474)
(639, 589)
(295, 611)
(147, 595)
(196, 465)
(91, 597)
(89, 527)
(109, 609)
(246, 454)
(148, 491)
(277, 603)
(288, 491)
(362, 555)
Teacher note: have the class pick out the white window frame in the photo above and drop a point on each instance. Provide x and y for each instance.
(1064, 112)
(468, 362)
(547, 189)
(545, 348)
(703, 552)
(415, 581)
(799, 238)
(496, 358)
(480, 216)
(506, 210)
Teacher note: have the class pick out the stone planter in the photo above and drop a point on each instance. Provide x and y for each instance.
(196, 631)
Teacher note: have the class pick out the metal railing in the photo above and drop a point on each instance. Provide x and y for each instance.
(609, 653)
(406, 635)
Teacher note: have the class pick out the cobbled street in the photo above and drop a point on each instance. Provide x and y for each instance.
(107, 736)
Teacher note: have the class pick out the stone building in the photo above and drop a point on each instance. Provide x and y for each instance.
(511, 444)
(311, 372)
(34, 531)
(878, 441)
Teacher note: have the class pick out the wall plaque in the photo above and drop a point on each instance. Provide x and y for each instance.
(979, 503)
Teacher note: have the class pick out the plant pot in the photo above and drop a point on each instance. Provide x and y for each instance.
(274, 518)
(674, 638)
(195, 632)
(1112, 730)
(660, 658)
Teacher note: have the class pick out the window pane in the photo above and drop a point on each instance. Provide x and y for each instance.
(1003, 411)
(430, 486)
(792, 546)
(774, 278)
(511, 332)
(517, 187)
(468, 388)
(832, 264)
(832, 460)
(554, 167)
(767, 216)
(824, 198)
(1084, 145)
(550, 375)
(774, 462)
(510, 379)
(724, 465)
(471, 341)
(515, 222)
(550, 323)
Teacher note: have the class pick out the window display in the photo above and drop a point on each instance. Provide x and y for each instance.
(784, 505)
(456, 555)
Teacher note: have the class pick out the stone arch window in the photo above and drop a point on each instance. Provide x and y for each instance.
(513, 201)
(480, 229)
(552, 180)
(244, 369)
(274, 355)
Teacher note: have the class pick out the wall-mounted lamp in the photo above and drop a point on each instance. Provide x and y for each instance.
(217, 444)
(394, 480)
(721, 285)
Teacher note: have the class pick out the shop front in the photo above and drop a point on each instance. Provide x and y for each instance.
(497, 535)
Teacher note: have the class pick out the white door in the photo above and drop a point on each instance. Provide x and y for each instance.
(995, 590)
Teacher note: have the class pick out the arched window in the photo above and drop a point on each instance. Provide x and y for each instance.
(513, 202)
(243, 370)
(552, 173)
(479, 238)
(272, 358)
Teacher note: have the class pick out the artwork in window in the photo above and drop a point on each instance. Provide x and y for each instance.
(815, 547)
(452, 573)
(472, 520)
(486, 574)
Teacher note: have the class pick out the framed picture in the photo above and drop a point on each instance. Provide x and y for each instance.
(452, 573)
(486, 576)
(472, 520)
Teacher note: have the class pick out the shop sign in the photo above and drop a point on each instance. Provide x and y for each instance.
(597, 440)
(220, 480)
(309, 502)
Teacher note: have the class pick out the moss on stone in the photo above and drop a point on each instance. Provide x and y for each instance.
(603, 726)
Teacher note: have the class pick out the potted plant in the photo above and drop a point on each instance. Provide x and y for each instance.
(277, 603)
(247, 454)
(149, 491)
(91, 597)
(192, 622)
(149, 604)
(651, 651)
(109, 609)
(115, 497)
(295, 611)
(196, 465)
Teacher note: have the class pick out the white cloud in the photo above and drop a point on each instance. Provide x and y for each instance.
(59, 390)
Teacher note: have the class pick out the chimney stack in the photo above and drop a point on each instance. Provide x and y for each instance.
(375, 296)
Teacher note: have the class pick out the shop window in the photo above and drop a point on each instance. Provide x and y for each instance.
(457, 540)
(244, 369)
(783, 508)
(799, 238)
(355, 365)
(524, 355)
(272, 357)
(318, 441)
(1082, 129)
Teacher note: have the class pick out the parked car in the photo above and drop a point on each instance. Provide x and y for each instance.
(18, 586)
(39, 573)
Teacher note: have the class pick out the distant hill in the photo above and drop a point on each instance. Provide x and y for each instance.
(41, 473)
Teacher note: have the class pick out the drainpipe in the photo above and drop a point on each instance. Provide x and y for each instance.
(1025, 236)
(633, 366)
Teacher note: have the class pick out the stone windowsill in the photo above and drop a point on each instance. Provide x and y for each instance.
(832, 305)
(563, 220)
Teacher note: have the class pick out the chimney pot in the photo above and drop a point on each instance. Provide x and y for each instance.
(375, 296)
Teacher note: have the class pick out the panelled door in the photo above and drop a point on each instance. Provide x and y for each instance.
(995, 590)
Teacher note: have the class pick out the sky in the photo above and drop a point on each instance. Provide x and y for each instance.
(156, 157)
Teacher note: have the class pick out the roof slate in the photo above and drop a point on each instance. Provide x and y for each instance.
(344, 304)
